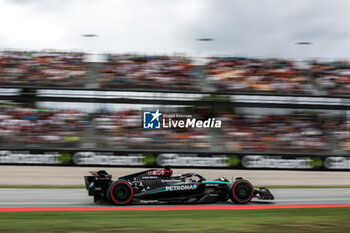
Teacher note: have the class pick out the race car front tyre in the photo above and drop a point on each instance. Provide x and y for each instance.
(120, 193)
(241, 191)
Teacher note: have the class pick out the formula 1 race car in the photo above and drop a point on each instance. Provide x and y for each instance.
(161, 187)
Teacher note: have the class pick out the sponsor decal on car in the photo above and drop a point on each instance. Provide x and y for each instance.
(169, 181)
(214, 185)
(149, 201)
(159, 172)
(181, 187)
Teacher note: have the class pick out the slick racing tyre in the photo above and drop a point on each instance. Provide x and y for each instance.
(241, 191)
(120, 193)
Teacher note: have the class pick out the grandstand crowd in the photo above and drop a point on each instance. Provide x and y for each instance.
(332, 76)
(261, 75)
(123, 130)
(132, 71)
(157, 72)
(57, 69)
(42, 127)
(29, 126)
(275, 133)
(301, 133)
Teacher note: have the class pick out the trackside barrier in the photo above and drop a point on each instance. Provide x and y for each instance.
(160, 159)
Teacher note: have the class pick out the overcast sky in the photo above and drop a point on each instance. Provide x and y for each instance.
(239, 27)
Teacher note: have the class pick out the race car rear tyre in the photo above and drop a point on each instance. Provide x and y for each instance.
(120, 193)
(241, 191)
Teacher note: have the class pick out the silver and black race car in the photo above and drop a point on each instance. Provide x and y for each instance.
(159, 186)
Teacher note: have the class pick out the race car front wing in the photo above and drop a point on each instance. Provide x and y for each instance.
(263, 194)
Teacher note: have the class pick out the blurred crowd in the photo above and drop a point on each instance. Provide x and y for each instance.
(332, 76)
(340, 130)
(156, 72)
(57, 69)
(260, 75)
(228, 74)
(31, 126)
(299, 133)
(123, 130)
(36, 126)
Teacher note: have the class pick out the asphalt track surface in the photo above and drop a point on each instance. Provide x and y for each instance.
(37, 198)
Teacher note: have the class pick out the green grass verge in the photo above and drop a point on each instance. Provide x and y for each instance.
(274, 220)
(83, 187)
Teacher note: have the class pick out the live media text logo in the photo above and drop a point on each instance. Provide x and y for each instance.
(157, 120)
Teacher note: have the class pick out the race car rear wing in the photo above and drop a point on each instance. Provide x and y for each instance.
(97, 183)
(100, 173)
